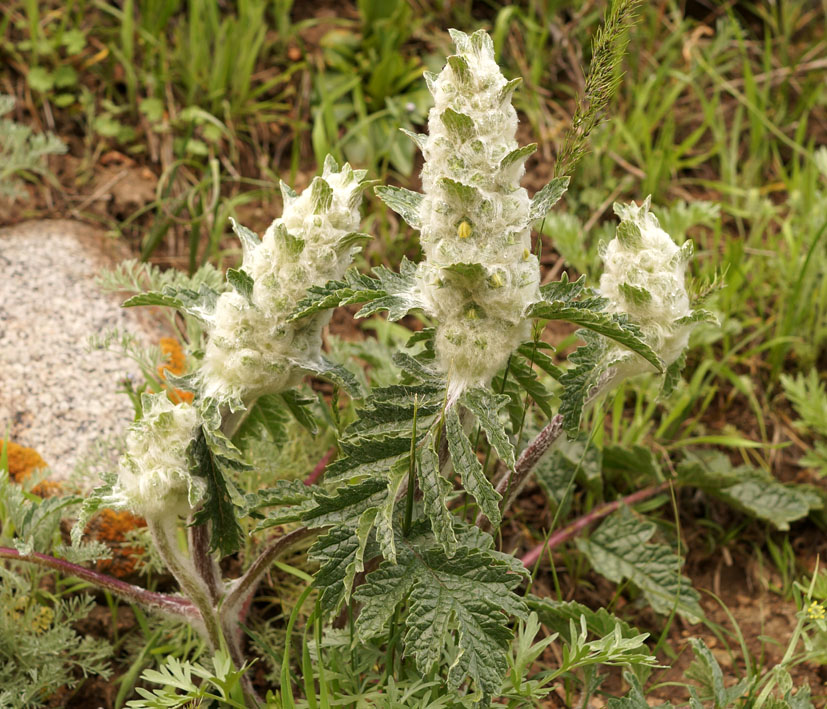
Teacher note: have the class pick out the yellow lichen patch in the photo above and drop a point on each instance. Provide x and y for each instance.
(111, 528)
(176, 364)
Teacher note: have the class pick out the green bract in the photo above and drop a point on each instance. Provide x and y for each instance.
(252, 350)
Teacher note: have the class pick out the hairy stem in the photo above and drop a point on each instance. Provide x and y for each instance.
(244, 587)
(513, 481)
(204, 562)
(176, 606)
(164, 535)
(599, 512)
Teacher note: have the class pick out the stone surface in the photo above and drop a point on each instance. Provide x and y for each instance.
(56, 395)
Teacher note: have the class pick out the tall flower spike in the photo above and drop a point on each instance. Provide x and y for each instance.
(154, 478)
(252, 350)
(645, 277)
(479, 274)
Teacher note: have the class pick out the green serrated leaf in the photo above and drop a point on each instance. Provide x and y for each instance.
(283, 492)
(459, 125)
(200, 304)
(385, 536)
(153, 298)
(347, 504)
(367, 457)
(607, 324)
(520, 371)
(249, 240)
(214, 459)
(362, 532)
(629, 234)
(518, 156)
(580, 379)
(546, 198)
(390, 410)
(354, 238)
(335, 373)
(404, 202)
(620, 549)
(468, 592)
(470, 469)
(267, 416)
(635, 699)
(291, 498)
(486, 405)
(99, 498)
(557, 616)
(698, 316)
(748, 489)
(356, 288)
(707, 672)
(508, 90)
(672, 376)
(564, 291)
(335, 552)
(413, 367)
(396, 292)
(299, 406)
(435, 490)
(383, 591)
(242, 282)
(535, 356)
(419, 139)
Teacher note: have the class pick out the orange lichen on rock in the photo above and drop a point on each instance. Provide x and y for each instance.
(23, 462)
(176, 363)
(111, 528)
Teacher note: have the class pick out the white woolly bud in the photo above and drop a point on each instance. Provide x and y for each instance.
(479, 275)
(252, 349)
(154, 478)
(645, 277)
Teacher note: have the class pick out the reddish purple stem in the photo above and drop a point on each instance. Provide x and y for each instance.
(599, 512)
(313, 478)
(174, 605)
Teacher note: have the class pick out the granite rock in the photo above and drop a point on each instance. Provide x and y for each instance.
(56, 395)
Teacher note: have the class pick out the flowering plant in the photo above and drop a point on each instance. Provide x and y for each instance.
(383, 522)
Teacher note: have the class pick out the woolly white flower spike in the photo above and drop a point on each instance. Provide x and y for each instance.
(154, 478)
(645, 278)
(252, 349)
(479, 274)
